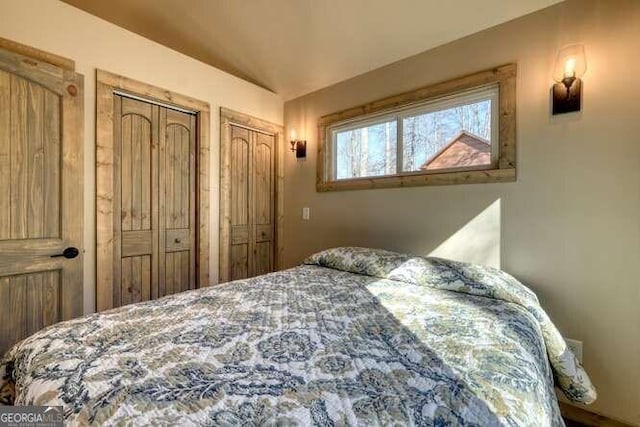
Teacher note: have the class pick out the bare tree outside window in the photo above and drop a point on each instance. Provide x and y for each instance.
(367, 151)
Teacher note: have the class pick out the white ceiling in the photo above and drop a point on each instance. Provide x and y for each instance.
(294, 47)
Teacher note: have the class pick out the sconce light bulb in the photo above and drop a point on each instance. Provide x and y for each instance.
(570, 68)
(294, 134)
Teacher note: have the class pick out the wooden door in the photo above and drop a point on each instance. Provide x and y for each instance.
(154, 233)
(252, 203)
(177, 198)
(263, 203)
(41, 196)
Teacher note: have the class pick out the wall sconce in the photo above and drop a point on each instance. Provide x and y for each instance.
(297, 145)
(571, 64)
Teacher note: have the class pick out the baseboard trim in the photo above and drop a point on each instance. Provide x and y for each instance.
(587, 418)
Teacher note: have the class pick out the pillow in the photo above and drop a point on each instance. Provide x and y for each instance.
(370, 262)
(428, 271)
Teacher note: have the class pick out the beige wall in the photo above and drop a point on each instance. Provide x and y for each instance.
(569, 227)
(93, 43)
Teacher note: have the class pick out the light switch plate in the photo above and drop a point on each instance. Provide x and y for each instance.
(306, 213)
(576, 348)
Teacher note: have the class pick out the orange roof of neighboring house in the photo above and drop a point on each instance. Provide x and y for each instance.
(464, 149)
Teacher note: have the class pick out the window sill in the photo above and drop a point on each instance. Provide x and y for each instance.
(416, 180)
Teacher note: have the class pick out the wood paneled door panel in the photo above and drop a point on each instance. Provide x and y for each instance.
(154, 193)
(152, 183)
(249, 196)
(41, 198)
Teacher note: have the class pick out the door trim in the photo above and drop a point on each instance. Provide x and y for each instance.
(37, 54)
(227, 118)
(106, 85)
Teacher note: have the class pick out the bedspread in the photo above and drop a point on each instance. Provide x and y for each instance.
(354, 336)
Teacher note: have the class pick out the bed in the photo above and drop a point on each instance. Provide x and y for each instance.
(354, 336)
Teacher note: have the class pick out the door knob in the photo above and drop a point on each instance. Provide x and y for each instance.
(68, 253)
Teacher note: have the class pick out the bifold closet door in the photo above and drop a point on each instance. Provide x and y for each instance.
(252, 203)
(263, 203)
(154, 163)
(177, 199)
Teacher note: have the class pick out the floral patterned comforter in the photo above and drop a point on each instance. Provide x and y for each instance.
(353, 337)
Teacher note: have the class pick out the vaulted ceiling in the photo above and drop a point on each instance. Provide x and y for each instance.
(294, 47)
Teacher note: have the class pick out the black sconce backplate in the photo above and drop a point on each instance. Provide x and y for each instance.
(567, 100)
(301, 149)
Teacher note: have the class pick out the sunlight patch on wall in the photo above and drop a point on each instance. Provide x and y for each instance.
(478, 241)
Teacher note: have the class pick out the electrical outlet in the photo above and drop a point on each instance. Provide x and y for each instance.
(306, 213)
(576, 348)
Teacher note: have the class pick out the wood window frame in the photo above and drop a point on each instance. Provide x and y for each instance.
(106, 86)
(227, 118)
(504, 170)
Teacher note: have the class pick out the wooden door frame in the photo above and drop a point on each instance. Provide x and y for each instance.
(37, 54)
(106, 85)
(227, 118)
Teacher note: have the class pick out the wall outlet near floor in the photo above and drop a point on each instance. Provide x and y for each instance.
(576, 348)
(306, 213)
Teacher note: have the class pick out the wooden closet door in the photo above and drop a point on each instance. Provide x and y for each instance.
(41, 196)
(263, 203)
(252, 203)
(241, 206)
(177, 197)
(136, 227)
(154, 160)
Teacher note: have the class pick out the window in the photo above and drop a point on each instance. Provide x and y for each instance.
(454, 133)
(369, 150)
(461, 131)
